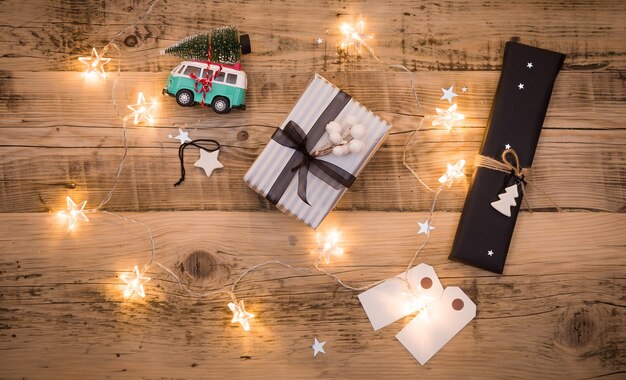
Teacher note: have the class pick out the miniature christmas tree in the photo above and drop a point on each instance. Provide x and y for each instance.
(224, 45)
(507, 199)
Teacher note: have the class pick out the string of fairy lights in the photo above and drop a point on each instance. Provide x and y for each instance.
(329, 243)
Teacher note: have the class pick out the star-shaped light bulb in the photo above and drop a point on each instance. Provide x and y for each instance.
(74, 213)
(240, 315)
(416, 301)
(94, 64)
(454, 171)
(134, 281)
(327, 246)
(355, 36)
(142, 111)
(447, 117)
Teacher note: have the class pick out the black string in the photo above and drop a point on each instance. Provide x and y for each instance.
(181, 152)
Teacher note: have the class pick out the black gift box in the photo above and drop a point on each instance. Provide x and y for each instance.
(519, 108)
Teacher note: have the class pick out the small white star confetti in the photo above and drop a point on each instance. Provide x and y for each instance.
(142, 111)
(95, 64)
(183, 136)
(447, 117)
(507, 146)
(529, 65)
(135, 283)
(520, 86)
(74, 213)
(425, 228)
(490, 252)
(319, 41)
(208, 161)
(318, 347)
(464, 89)
(327, 246)
(170, 136)
(448, 94)
(240, 315)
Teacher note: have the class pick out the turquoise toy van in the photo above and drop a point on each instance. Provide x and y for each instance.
(228, 89)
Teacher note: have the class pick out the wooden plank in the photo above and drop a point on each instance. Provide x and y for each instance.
(557, 312)
(424, 35)
(69, 99)
(61, 139)
(37, 179)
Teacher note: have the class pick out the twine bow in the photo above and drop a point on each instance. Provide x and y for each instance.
(513, 168)
(506, 165)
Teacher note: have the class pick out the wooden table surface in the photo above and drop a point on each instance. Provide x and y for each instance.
(559, 310)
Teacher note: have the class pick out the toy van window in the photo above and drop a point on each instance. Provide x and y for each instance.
(220, 77)
(231, 78)
(181, 68)
(192, 70)
(209, 74)
(175, 69)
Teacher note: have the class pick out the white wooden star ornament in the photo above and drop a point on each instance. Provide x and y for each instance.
(134, 281)
(142, 111)
(74, 213)
(240, 315)
(448, 94)
(327, 246)
(447, 117)
(355, 36)
(95, 64)
(183, 136)
(425, 228)
(208, 161)
(318, 347)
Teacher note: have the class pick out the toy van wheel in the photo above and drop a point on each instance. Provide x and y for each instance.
(220, 105)
(184, 98)
(244, 40)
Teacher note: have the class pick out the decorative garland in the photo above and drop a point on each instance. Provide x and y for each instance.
(328, 244)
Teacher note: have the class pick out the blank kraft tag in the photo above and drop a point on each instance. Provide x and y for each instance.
(437, 324)
(392, 300)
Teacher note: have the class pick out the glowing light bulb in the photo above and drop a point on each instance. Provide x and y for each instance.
(74, 213)
(448, 117)
(142, 111)
(240, 315)
(94, 64)
(327, 246)
(134, 281)
(454, 171)
(355, 36)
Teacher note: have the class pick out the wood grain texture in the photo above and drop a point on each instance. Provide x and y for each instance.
(53, 137)
(424, 35)
(558, 311)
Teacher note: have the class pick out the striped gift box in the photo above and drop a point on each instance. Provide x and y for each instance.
(311, 111)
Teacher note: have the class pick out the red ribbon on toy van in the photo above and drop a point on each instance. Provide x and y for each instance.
(204, 85)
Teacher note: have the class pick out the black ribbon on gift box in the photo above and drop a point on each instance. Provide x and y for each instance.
(292, 136)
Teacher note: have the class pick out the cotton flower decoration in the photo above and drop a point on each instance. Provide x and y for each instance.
(346, 137)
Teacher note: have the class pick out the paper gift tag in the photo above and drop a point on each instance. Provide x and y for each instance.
(437, 324)
(392, 300)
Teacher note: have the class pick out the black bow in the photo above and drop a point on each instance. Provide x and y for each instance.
(292, 136)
